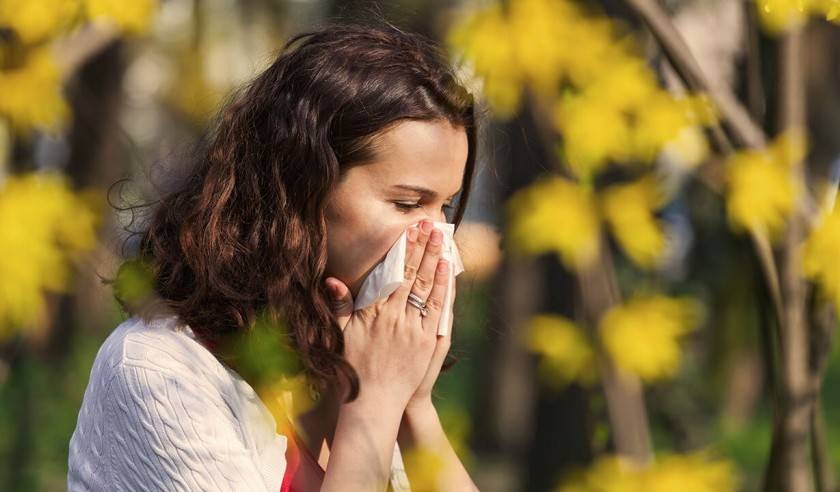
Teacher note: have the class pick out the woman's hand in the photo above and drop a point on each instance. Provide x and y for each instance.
(396, 352)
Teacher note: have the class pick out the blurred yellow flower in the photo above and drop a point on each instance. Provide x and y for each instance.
(642, 335)
(594, 133)
(424, 467)
(567, 354)
(31, 92)
(629, 211)
(554, 215)
(286, 397)
(46, 227)
(192, 93)
(761, 189)
(604, 99)
(37, 20)
(132, 17)
(484, 38)
(819, 256)
(777, 16)
(695, 472)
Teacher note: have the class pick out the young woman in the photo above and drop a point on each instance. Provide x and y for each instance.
(352, 136)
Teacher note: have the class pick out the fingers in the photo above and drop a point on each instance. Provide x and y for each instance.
(417, 241)
(341, 300)
(435, 300)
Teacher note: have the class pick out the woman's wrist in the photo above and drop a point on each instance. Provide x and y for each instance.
(420, 426)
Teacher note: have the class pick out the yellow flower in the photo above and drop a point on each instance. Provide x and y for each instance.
(695, 472)
(424, 466)
(779, 15)
(554, 215)
(567, 355)
(642, 335)
(45, 228)
(132, 17)
(32, 92)
(594, 133)
(762, 191)
(535, 26)
(819, 256)
(192, 93)
(628, 209)
(286, 397)
(36, 20)
(484, 39)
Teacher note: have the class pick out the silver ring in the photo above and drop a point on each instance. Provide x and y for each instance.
(415, 301)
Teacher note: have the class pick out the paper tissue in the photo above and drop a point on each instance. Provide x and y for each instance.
(389, 274)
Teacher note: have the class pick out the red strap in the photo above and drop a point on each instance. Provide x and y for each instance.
(292, 459)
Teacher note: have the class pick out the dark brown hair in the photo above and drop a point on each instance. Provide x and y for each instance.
(244, 232)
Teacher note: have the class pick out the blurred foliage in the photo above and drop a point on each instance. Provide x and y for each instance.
(46, 227)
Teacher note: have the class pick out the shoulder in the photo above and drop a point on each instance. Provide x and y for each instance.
(159, 406)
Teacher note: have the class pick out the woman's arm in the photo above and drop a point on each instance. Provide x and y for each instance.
(421, 429)
(363, 445)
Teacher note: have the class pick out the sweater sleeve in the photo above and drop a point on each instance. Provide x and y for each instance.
(174, 432)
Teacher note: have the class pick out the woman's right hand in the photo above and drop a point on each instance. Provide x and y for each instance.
(388, 343)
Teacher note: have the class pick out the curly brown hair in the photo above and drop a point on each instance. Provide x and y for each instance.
(243, 233)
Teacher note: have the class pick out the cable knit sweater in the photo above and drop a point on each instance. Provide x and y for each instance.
(162, 413)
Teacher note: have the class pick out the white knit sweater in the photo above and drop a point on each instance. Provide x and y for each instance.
(162, 413)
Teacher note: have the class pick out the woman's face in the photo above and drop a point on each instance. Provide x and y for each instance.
(417, 170)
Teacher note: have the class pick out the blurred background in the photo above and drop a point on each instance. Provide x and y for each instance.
(651, 284)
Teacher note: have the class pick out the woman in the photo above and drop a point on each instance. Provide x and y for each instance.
(352, 136)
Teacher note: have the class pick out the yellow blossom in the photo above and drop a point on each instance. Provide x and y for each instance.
(45, 228)
(567, 355)
(819, 256)
(629, 211)
(484, 39)
(36, 20)
(535, 26)
(695, 472)
(777, 16)
(554, 215)
(642, 335)
(192, 93)
(131, 17)
(424, 466)
(594, 133)
(32, 92)
(762, 191)
(286, 397)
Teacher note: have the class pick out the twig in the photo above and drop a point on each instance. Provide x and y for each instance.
(745, 130)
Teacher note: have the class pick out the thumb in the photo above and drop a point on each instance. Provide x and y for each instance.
(341, 300)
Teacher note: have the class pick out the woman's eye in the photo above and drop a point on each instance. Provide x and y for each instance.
(411, 206)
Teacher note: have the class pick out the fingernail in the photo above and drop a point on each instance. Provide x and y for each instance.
(426, 226)
(441, 268)
(437, 237)
(412, 234)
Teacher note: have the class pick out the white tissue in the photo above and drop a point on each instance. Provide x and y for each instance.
(389, 274)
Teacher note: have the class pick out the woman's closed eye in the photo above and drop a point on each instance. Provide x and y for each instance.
(407, 207)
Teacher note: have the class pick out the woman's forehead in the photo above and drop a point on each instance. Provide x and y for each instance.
(421, 153)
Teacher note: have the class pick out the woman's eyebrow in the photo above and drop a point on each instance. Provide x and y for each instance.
(431, 194)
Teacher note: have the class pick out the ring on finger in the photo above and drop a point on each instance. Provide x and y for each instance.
(415, 301)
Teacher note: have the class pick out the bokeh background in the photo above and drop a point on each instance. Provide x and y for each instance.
(651, 252)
